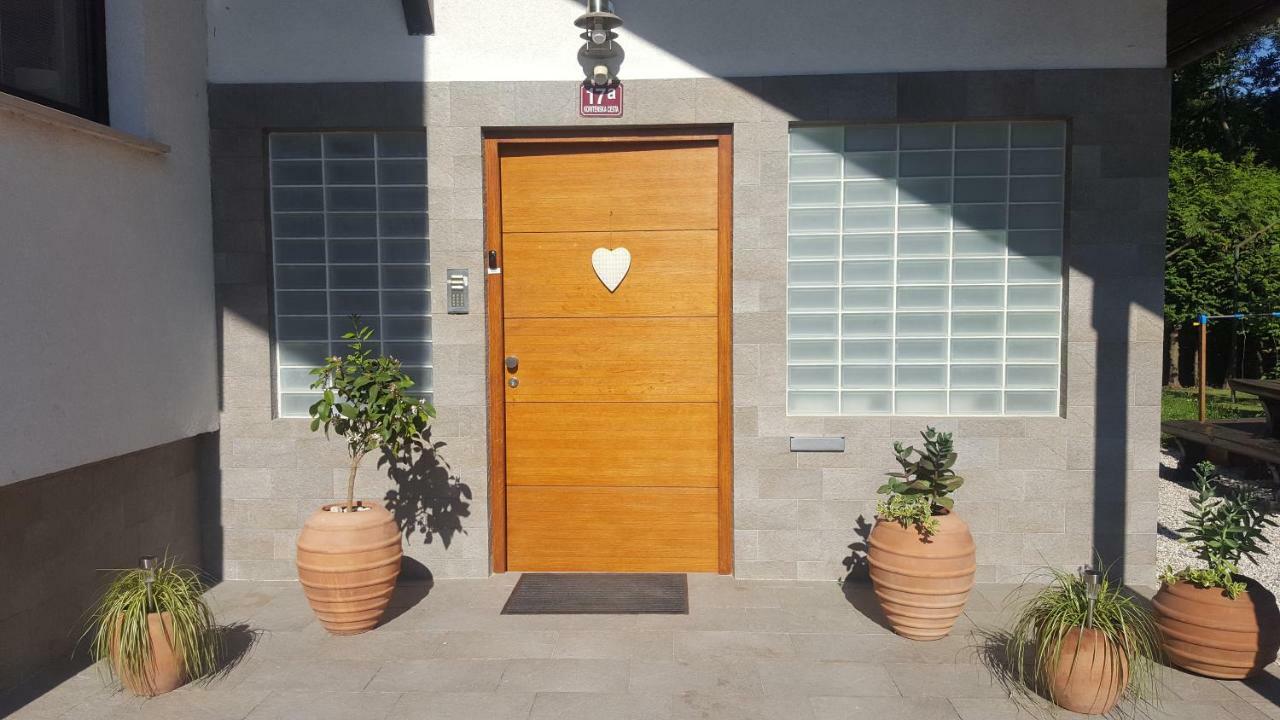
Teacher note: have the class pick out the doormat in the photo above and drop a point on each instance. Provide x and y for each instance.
(599, 594)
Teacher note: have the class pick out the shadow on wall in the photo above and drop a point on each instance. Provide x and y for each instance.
(429, 499)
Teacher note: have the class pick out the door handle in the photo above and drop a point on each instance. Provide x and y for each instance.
(513, 362)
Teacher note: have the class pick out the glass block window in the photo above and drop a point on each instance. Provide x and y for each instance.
(924, 272)
(349, 236)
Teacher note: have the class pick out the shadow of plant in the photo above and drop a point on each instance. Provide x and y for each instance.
(856, 568)
(428, 498)
(237, 642)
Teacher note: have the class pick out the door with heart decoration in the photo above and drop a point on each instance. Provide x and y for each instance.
(614, 379)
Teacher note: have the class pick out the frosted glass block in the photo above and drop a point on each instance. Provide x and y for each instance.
(922, 298)
(980, 242)
(868, 245)
(1035, 269)
(977, 376)
(812, 246)
(924, 217)
(402, 172)
(409, 353)
(862, 377)
(305, 354)
(1024, 402)
(1033, 323)
(975, 402)
(978, 217)
(300, 277)
(352, 198)
(350, 172)
(867, 351)
(290, 199)
(1035, 189)
(982, 135)
(1032, 243)
(926, 137)
(353, 225)
(915, 272)
(1027, 297)
(345, 303)
(815, 167)
(976, 350)
(811, 299)
(405, 251)
(867, 298)
(297, 404)
(297, 173)
(920, 350)
(814, 221)
(421, 377)
(925, 164)
(342, 347)
(362, 277)
(921, 376)
(411, 144)
(929, 191)
(353, 251)
(301, 302)
(800, 402)
(870, 192)
(1037, 377)
(817, 139)
(868, 219)
(871, 165)
(296, 379)
(981, 190)
(977, 323)
(866, 325)
(866, 403)
(1039, 134)
(402, 225)
(921, 325)
(300, 225)
(1035, 216)
(1036, 162)
(402, 302)
(398, 277)
(815, 377)
(402, 199)
(868, 272)
(814, 194)
(923, 244)
(920, 403)
(870, 137)
(348, 145)
(977, 297)
(811, 326)
(811, 273)
(302, 328)
(982, 162)
(406, 328)
(295, 145)
(978, 271)
(806, 351)
(299, 251)
(1032, 350)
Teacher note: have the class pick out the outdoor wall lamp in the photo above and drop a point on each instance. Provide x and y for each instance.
(598, 23)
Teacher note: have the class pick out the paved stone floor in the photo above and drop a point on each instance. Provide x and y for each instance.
(747, 650)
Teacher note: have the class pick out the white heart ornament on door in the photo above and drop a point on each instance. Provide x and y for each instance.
(611, 266)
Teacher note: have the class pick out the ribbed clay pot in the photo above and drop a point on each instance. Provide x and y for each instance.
(922, 583)
(1210, 634)
(1091, 674)
(165, 672)
(347, 564)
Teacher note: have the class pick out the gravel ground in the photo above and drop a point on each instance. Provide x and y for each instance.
(1174, 498)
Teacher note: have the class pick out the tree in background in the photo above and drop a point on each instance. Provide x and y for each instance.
(1229, 101)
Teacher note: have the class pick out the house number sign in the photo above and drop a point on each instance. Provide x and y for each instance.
(603, 101)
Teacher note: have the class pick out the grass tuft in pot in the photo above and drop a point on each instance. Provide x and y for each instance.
(153, 629)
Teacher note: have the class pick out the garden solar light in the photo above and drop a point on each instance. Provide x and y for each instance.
(1092, 582)
(148, 565)
(599, 21)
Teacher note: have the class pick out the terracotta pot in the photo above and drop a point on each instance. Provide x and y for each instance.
(922, 583)
(1091, 673)
(1208, 633)
(347, 564)
(165, 672)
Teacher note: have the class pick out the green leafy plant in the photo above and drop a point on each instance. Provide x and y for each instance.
(366, 401)
(921, 490)
(1223, 525)
(120, 630)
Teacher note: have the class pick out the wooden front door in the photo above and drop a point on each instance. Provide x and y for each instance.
(610, 409)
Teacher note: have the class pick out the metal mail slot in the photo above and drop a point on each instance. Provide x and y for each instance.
(817, 444)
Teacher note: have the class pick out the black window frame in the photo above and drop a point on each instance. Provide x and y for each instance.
(93, 68)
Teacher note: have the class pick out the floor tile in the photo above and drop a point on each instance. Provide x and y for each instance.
(819, 678)
(311, 705)
(711, 705)
(438, 675)
(710, 644)
(484, 644)
(565, 675)
(882, 708)
(948, 681)
(621, 644)
(726, 676)
(600, 706)
(461, 706)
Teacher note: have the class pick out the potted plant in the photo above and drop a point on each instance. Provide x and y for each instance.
(1216, 622)
(349, 553)
(1084, 642)
(920, 554)
(153, 629)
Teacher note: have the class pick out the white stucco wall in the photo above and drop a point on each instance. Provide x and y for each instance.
(330, 40)
(107, 333)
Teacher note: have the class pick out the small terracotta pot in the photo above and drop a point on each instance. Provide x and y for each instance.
(1205, 631)
(922, 583)
(1091, 673)
(348, 563)
(165, 672)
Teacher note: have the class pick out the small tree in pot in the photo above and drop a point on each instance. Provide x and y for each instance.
(921, 555)
(349, 554)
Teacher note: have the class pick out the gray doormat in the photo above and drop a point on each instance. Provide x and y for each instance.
(599, 594)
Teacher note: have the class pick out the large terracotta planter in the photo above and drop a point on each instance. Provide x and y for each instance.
(165, 672)
(1091, 674)
(347, 564)
(922, 583)
(1208, 633)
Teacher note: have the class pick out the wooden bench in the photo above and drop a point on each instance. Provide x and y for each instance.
(1218, 440)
